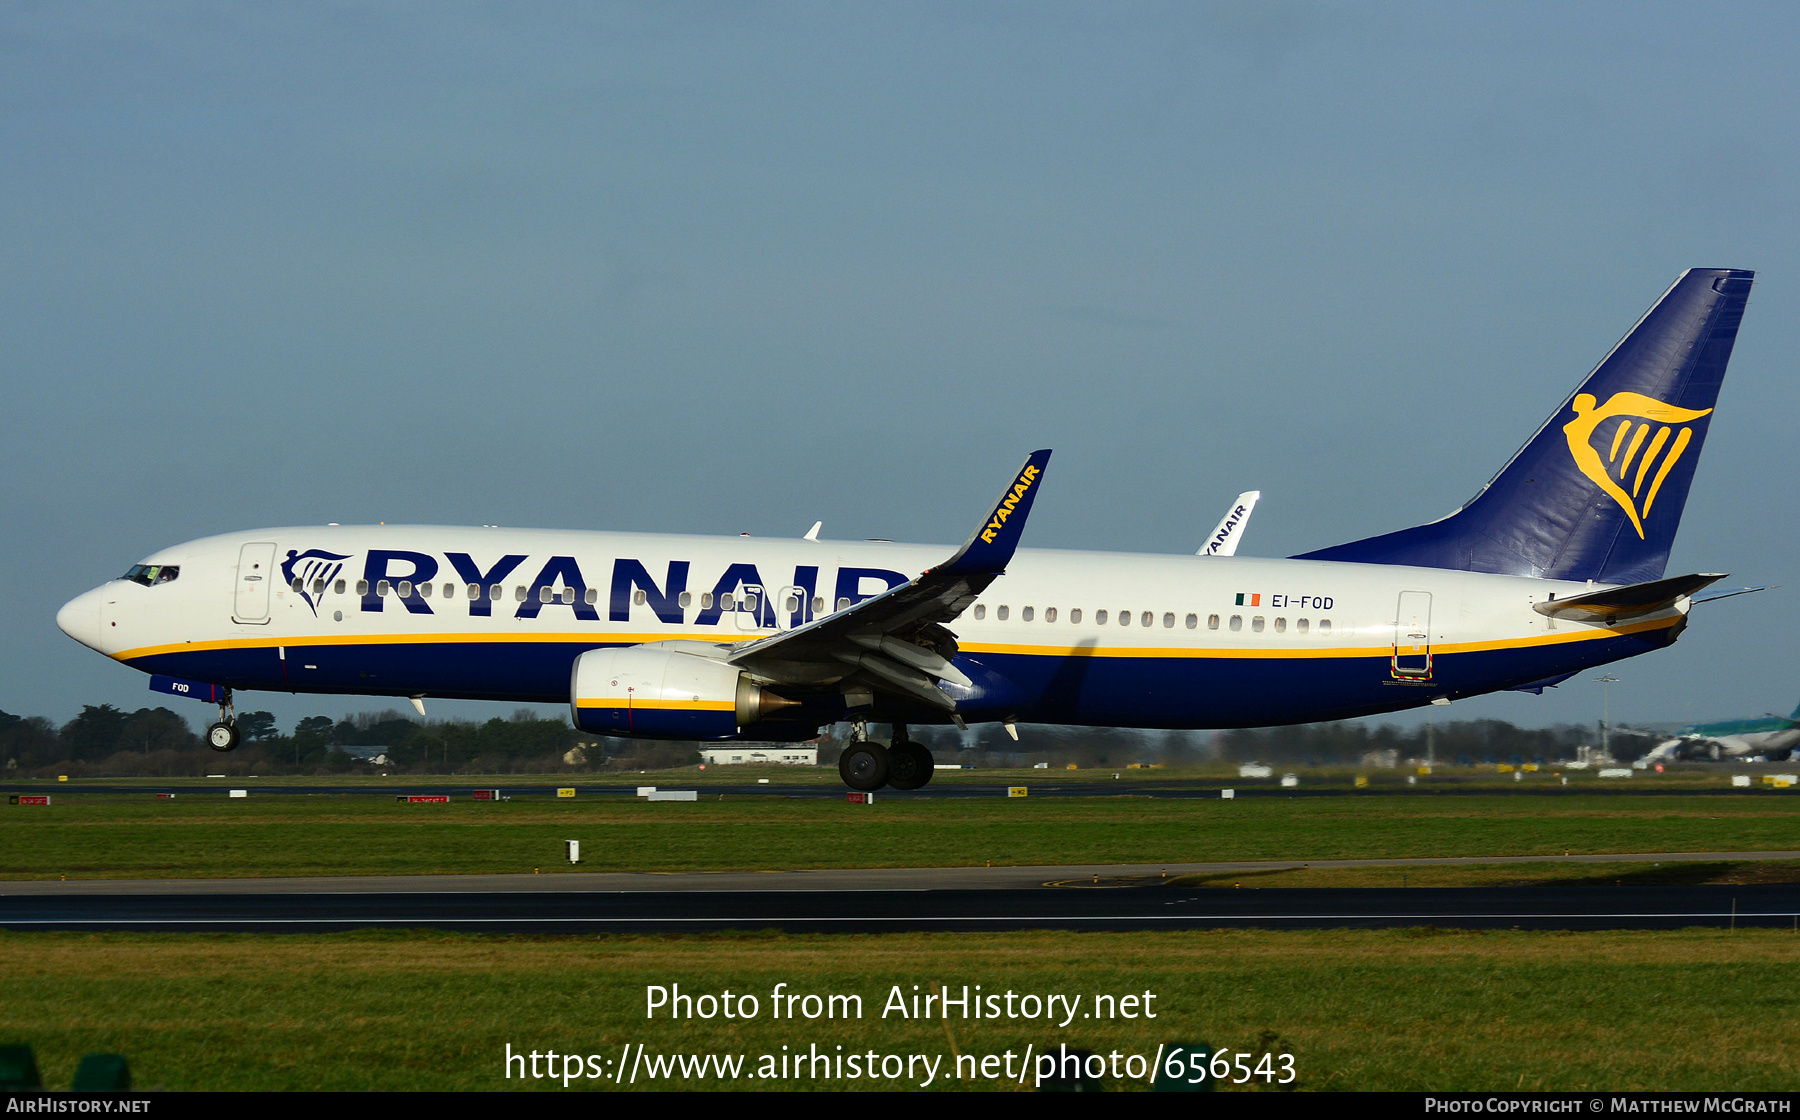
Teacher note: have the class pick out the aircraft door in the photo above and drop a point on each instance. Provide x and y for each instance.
(1412, 636)
(750, 608)
(792, 610)
(255, 574)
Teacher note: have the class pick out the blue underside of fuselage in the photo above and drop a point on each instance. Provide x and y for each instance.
(1148, 692)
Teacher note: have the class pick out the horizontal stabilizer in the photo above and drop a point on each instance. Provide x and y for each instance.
(1715, 596)
(1633, 601)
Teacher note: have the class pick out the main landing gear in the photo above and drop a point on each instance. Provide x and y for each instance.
(868, 766)
(223, 735)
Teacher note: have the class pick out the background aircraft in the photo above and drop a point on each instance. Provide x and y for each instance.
(1771, 739)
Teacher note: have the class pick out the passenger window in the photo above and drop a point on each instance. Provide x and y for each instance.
(818, 605)
(1001, 612)
(728, 602)
(637, 597)
(519, 593)
(1281, 626)
(495, 592)
(980, 611)
(1212, 622)
(1168, 620)
(1025, 614)
(706, 600)
(318, 587)
(381, 589)
(568, 595)
(425, 591)
(1049, 614)
(1300, 625)
(449, 591)
(1237, 622)
(406, 589)
(1124, 618)
(297, 584)
(791, 603)
(1256, 624)
(750, 602)
(685, 600)
(593, 595)
(1193, 622)
(338, 588)
(362, 587)
(843, 603)
(544, 595)
(1324, 626)
(1099, 618)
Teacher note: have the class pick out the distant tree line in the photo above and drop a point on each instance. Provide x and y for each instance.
(1464, 742)
(155, 742)
(1458, 742)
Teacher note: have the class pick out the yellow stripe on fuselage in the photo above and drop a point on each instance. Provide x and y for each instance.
(661, 705)
(1438, 649)
(1032, 650)
(310, 642)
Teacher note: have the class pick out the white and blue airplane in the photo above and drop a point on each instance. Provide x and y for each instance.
(1555, 566)
(1771, 738)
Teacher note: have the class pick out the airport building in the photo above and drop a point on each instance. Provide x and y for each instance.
(765, 756)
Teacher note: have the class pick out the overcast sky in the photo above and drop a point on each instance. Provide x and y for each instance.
(735, 267)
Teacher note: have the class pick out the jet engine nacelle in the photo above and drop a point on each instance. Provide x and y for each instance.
(656, 693)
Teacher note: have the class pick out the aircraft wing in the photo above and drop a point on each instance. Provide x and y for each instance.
(896, 641)
(1224, 538)
(1630, 601)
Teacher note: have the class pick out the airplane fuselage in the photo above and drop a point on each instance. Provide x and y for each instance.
(1094, 638)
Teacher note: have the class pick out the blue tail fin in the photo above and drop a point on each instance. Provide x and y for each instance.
(1597, 493)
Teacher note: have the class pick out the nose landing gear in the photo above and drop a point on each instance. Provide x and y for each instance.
(223, 735)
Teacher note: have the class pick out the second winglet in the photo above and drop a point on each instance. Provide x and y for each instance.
(993, 544)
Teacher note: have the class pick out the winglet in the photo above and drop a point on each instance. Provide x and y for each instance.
(1230, 529)
(993, 544)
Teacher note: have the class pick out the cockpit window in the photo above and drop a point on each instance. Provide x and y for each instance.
(150, 574)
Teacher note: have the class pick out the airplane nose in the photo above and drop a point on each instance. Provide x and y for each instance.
(80, 618)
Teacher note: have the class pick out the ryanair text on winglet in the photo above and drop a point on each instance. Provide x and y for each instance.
(1004, 510)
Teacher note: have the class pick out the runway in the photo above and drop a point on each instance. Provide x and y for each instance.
(272, 906)
(1013, 877)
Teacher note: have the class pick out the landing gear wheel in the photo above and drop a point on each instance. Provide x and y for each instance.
(864, 766)
(222, 737)
(909, 765)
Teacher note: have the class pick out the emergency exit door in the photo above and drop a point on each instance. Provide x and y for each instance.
(1412, 636)
(751, 607)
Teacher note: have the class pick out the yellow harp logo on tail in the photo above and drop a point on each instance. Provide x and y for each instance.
(1641, 418)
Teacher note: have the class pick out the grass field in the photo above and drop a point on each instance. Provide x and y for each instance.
(1406, 1010)
(100, 835)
